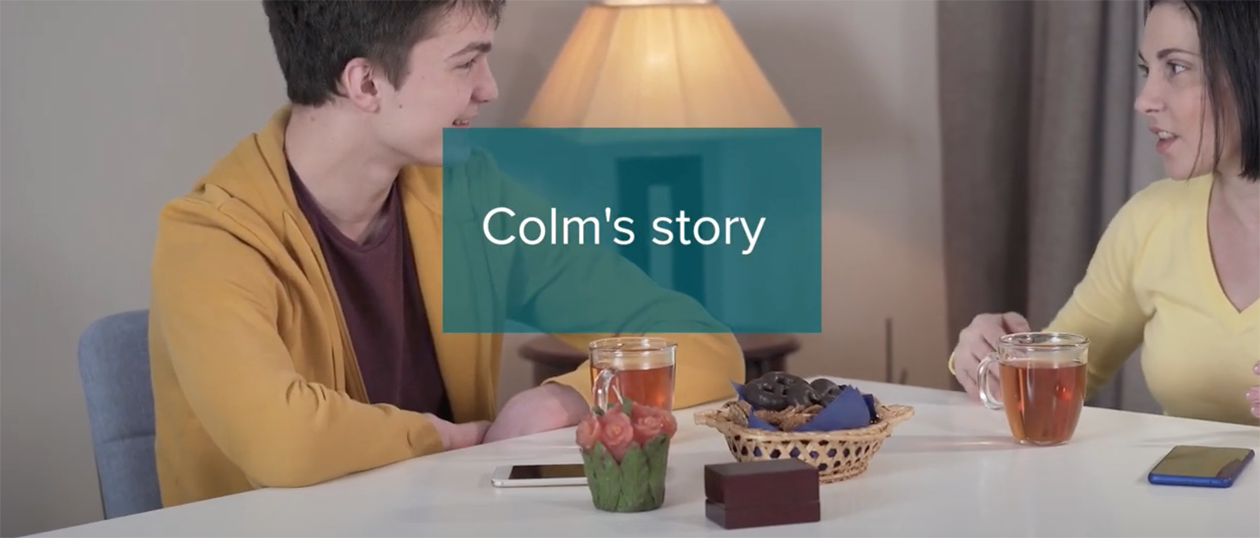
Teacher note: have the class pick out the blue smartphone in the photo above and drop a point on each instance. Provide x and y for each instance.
(1201, 466)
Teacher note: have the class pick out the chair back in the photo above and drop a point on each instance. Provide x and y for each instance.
(114, 367)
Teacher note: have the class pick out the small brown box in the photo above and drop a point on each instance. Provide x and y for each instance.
(762, 516)
(761, 493)
(754, 484)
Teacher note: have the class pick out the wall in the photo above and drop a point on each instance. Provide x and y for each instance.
(111, 108)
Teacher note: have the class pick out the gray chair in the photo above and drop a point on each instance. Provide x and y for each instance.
(114, 367)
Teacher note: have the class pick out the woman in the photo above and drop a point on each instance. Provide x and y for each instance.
(1178, 268)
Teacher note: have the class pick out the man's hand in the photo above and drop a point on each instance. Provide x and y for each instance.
(456, 436)
(544, 408)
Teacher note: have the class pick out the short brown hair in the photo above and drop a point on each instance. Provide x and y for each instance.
(314, 39)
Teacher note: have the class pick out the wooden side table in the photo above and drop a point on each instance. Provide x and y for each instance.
(763, 352)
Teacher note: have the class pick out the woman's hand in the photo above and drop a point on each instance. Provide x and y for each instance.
(979, 339)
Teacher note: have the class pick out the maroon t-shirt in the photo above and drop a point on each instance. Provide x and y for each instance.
(380, 298)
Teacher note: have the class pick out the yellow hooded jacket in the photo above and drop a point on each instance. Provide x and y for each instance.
(255, 382)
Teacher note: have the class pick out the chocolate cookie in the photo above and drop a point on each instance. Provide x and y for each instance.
(776, 391)
(824, 391)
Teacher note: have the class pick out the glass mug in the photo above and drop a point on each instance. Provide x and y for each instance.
(1043, 384)
(634, 367)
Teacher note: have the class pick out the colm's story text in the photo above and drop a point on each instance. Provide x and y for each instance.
(574, 230)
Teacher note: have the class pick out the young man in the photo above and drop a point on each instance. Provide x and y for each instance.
(296, 331)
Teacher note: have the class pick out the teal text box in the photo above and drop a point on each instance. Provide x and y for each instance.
(632, 230)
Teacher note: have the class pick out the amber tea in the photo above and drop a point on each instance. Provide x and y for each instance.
(637, 368)
(1043, 399)
(1042, 378)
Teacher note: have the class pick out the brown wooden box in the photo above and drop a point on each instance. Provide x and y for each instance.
(761, 493)
(762, 516)
(754, 483)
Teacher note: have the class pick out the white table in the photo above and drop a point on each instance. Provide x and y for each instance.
(952, 470)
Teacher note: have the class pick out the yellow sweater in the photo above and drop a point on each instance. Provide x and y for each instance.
(255, 382)
(1152, 282)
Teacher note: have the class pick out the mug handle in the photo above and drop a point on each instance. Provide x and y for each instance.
(982, 382)
(603, 385)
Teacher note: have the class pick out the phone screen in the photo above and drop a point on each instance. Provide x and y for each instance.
(1202, 461)
(537, 472)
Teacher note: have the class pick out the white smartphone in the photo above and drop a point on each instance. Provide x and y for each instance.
(532, 476)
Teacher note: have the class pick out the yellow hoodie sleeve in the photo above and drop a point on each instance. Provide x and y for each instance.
(575, 286)
(215, 308)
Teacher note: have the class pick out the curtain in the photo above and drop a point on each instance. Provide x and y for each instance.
(1038, 134)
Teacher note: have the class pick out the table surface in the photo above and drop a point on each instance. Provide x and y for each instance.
(951, 470)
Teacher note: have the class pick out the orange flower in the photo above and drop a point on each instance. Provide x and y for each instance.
(647, 429)
(650, 421)
(588, 431)
(616, 433)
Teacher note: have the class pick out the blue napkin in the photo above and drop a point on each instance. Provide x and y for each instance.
(851, 409)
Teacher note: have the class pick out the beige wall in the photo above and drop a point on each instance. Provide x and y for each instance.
(111, 108)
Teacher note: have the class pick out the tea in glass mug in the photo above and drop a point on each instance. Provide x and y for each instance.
(634, 367)
(1042, 375)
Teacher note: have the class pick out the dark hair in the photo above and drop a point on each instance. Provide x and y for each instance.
(314, 39)
(1228, 41)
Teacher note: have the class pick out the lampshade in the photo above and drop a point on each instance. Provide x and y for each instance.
(655, 64)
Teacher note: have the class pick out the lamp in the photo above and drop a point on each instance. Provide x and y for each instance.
(647, 63)
(658, 64)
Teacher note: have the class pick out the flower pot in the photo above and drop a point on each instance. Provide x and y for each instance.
(634, 484)
(625, 452)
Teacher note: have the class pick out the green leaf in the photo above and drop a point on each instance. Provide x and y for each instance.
(635, 481)
(606, 479)
(637, 484)
(627, 406)
(657, 451)
(588, 466)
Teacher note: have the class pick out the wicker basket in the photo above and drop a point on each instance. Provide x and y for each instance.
(838, 455)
